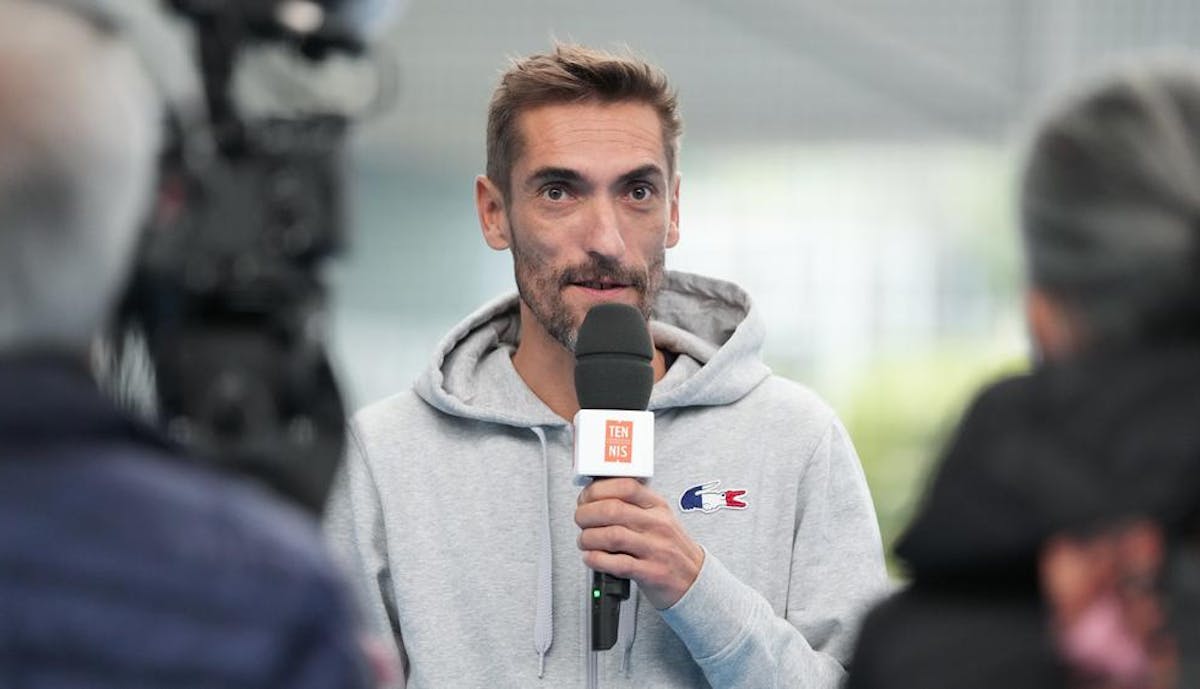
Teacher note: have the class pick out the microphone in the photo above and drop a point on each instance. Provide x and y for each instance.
(614, 434)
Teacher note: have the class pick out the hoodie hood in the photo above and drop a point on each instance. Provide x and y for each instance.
(710, 326)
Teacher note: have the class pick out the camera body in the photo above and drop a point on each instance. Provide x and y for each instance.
(228, 293)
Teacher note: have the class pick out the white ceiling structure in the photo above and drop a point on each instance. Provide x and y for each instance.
(769, 70)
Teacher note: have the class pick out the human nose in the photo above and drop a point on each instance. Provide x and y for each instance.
(604, 230)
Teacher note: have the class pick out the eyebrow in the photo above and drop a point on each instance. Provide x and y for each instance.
(554, 174)
(645, 172)
(545, 175)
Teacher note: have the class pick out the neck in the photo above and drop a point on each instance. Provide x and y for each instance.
(548, 368)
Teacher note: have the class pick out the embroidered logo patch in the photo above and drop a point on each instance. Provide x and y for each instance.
(707, 498)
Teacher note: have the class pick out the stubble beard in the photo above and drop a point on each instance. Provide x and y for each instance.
(541, 287)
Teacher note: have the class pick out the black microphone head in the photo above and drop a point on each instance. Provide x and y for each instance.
(613, 357)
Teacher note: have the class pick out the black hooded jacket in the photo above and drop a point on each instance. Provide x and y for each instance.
(1068, 448)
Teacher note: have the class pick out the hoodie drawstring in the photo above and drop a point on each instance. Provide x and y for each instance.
(543, 623)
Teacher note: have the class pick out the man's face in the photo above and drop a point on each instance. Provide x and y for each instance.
(591, 211)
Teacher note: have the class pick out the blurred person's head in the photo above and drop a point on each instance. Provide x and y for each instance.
(79, 133)
(1110, 206)
(581, 183)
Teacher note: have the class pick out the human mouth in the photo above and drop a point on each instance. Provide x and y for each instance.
(600, 285)
(602, 290)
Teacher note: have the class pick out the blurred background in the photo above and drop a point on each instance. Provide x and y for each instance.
(850, 164)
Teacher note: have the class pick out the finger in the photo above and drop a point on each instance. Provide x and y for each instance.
(603, 489)
(627, 489)
(616, 564)
(615, 539)
(616, 513)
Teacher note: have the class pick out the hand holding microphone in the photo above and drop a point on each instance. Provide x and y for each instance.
(628, 530)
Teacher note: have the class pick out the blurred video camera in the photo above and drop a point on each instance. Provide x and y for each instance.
(228, 294)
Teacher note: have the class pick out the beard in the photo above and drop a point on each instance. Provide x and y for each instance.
(541, 287)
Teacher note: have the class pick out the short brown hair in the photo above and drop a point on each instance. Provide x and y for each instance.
(573, 74)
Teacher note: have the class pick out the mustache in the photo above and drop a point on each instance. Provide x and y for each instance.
(602, 269)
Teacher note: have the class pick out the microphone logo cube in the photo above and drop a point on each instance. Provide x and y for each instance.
(618, 441)
(614, 442)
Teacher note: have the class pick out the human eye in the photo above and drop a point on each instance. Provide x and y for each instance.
(641, 191)
(555, 193)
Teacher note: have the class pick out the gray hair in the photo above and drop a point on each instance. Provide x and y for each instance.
(1110, 199)
(79, 133)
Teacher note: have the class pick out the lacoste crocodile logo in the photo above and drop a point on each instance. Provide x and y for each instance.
(707, 498)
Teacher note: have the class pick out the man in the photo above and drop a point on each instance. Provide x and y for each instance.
(121, 563)
(459, 510)
(1054, 546)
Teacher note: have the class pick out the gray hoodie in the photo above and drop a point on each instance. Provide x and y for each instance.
(455, 513)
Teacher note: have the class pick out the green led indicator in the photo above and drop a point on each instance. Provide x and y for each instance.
(595, 593)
